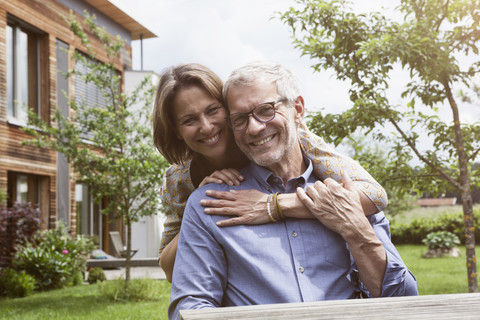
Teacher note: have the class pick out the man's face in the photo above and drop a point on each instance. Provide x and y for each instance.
(269, 143)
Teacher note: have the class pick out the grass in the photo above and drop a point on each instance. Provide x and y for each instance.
(436, 275)
(83, 302)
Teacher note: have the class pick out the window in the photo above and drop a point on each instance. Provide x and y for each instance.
(24, 187)
(25, 70)
(87, 93)
(89, 218)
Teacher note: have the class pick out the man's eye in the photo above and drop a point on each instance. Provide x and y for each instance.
(237, 121)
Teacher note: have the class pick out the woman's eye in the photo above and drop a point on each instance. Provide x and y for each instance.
(213, 111)
(188, 121)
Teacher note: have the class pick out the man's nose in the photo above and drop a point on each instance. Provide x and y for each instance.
(254, 126)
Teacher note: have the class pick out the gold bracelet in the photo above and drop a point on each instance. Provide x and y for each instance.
(278, 211)
(269, 211)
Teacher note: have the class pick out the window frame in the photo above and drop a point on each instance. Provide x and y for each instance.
(37, 80)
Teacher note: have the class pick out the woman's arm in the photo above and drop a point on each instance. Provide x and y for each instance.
(167, 258)
(176, 189)
(328, 163)
(250, 206)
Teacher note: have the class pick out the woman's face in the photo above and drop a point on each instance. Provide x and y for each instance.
(200, 121)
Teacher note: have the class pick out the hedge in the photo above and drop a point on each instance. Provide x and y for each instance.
(415, 231)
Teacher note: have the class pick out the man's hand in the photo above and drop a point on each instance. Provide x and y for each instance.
(335, 205)
(339, 209)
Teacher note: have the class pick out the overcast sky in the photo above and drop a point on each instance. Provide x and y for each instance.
(225, 34)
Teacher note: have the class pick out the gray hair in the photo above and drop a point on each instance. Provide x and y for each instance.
(287, 83)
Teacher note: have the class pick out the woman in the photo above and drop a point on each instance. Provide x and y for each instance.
(190, 131)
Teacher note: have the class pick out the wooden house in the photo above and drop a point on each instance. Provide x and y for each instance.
(36, 47)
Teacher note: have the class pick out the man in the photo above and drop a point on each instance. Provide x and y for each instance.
(337, 256)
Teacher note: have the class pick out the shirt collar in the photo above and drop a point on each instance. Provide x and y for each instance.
(264, 176)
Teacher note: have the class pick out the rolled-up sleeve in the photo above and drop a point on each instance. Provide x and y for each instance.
(398, 280)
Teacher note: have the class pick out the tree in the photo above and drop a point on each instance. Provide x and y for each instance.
(401, 192)
(110, 146)
(364, 49)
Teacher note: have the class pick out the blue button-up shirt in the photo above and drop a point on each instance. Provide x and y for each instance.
(294, 260)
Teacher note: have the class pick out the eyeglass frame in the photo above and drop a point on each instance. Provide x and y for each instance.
(272, 103)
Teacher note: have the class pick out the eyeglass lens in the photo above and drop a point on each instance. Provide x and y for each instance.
(262, 113)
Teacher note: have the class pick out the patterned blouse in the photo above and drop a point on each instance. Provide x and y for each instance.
(327, 163)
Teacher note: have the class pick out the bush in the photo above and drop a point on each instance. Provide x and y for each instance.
(16, 284)
(138, 290)
(95, 275)
(441, 240)
(54, 258)
(415, 231)
(78, 278)
(49, 267)
(18, 225)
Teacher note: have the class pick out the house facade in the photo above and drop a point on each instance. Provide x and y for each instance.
(36, 49)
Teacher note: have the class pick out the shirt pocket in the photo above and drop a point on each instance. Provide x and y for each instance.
(334, 249)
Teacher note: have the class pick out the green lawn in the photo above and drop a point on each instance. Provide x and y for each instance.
(434, 276)
(82, 302)
(439, 275)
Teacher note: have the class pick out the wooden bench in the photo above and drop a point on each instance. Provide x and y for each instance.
(120, 263)
(437, 307)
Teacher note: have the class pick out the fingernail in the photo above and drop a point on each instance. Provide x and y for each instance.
(202, 202)
(237, 182)
(241, 178)
(207, 210)
(230, 183)
(208, 192)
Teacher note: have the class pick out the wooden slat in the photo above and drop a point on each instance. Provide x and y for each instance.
(450, 306)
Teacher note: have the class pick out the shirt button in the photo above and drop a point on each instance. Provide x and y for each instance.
(268, 188)
(301, 269)
(294, 234)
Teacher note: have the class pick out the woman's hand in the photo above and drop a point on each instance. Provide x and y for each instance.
(249, 206)
(228, 176)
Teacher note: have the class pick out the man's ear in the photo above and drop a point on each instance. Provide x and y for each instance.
(299, 105)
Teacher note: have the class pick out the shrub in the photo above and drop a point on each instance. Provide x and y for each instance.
(18, 225)
(415, 231)
(16, 284)
(441, 240)
(54, 258)
(95, 275)
(78, 278)
(49, 267)
(138, 290)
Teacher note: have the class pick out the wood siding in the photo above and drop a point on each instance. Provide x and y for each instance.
(46, 16)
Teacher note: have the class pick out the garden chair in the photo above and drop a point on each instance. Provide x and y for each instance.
(119, 248)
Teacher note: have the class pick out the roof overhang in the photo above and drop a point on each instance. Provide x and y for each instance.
(110, 10)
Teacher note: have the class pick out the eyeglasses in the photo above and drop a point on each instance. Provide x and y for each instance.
(263, 113)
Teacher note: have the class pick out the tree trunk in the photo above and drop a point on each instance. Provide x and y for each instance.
(466, 195)
(129, 251)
